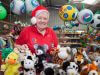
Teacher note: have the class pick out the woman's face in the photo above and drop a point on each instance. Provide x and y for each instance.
(42, 20)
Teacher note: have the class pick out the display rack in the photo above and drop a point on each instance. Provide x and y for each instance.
(69, 39)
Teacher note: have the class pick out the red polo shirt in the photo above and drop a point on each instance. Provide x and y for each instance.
(30, 36)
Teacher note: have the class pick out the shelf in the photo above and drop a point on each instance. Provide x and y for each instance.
(94, 44)
(70, 43)
(65, 38)
(68, 33)
(69, 39)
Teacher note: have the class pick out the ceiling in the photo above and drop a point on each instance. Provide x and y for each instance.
(58, 3)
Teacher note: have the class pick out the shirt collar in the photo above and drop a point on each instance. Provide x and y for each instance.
(34, 29)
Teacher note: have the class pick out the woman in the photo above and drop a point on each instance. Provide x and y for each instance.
(39, 33)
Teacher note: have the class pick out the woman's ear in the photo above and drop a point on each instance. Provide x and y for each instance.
(35, 46)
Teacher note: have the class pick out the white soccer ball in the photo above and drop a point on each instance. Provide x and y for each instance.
(31, 5)
(96, 21)
(17, 7)
(85, 16)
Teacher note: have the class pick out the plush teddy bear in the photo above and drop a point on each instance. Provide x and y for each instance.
(12, 65)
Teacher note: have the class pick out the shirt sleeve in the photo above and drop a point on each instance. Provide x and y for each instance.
(22, 39)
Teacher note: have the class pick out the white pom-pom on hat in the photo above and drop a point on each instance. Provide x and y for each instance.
(33, 20)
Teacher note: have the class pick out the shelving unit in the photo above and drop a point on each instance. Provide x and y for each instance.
(71, 39)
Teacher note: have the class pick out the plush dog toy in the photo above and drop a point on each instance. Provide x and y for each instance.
(90, 69)
(52, 69)
(28, 64)
(71, 68)
(79, 58)
(12, 65)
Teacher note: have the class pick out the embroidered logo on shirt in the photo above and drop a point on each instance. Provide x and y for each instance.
(34, 40)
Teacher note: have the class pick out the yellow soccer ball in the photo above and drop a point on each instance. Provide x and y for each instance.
(67, 13)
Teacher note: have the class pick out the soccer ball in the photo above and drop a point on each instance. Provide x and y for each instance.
(67, 13)
(85, 16)
(17, 7)
(31, 5)
(96, 21)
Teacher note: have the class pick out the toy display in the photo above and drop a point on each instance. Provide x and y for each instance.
(78, 46)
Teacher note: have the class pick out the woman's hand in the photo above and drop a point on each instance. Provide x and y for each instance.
(22, 48)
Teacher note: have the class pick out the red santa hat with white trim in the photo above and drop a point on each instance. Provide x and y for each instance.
(37, 11)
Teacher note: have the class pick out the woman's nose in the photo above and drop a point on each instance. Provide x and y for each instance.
(42, 20)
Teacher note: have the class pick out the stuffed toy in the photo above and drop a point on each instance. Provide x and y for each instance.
(6, 52)
(71, 68)
(12, 65)
(93, 55)
(61, 54)
(97, 59)
(90, 69)
(41, 55)
(79, 58)
(22, 52)
(2, 43)
(51, 69)
(28, 65)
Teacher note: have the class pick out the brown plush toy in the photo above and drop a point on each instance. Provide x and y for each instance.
(55, 58)
(90, 69)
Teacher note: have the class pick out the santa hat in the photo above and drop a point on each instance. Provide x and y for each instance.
(36, 12)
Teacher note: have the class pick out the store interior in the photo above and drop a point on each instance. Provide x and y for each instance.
(78, 52)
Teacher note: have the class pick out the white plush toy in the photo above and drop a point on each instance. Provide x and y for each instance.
(93, 72)
(64, 52)
(71, 68)
(52, 69)
(28, 64)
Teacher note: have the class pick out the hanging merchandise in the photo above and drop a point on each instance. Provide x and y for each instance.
(30, 5)
(75, 23)
(3, 12)
(67, 13)
(96, 21)
(68, 25)
(85, 16)
(17, 7)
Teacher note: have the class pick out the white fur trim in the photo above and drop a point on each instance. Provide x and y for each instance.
(39, 11)
(33, 20)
